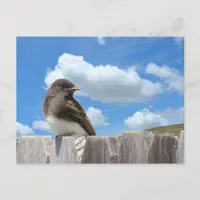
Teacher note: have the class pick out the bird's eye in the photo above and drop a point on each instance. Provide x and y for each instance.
(63, 87)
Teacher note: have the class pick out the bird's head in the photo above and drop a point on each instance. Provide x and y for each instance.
(64, 85)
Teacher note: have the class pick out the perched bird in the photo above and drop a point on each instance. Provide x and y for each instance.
(63, 113)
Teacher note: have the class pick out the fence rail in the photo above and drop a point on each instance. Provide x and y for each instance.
(131, 147)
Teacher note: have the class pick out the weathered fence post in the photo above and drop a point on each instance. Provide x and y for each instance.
(63, 151)
(135, 146)
(131, 147)
(181, 148)
(113, 146)
(33, 150)
(164, 149)
(100, 150)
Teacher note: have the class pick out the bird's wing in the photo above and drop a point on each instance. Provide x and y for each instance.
(77, 114)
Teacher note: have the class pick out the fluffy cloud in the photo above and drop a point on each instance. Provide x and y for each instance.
(41, 125)
(145, 119)
(108, 84)
(96, 116)
(101, 40)
(23, 130)
(170, 76)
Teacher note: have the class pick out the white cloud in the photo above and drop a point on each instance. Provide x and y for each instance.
(96, 117)
(108, 84)
(101, 40)
(41, 125)
(145, 119)
(22, 130)
(170, 76)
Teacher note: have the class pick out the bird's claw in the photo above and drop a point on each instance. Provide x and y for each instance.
(63, 135)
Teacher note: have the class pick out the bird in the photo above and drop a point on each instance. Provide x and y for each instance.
(63, 113)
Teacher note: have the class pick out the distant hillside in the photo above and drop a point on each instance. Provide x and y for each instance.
(177, 128)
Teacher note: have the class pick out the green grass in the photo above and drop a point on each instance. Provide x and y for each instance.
(177, 128)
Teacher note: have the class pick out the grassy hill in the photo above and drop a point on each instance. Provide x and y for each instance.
(169, 129)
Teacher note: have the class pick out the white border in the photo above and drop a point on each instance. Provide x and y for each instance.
(99, 18)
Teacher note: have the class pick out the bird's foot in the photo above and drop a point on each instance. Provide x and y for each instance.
(58, 137)
(63, 135)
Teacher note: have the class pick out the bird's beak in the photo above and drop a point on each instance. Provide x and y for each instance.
(75, 88)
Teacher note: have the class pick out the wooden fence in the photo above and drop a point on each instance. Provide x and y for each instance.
(131, 147)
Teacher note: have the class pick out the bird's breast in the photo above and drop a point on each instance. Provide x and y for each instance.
(60, 127)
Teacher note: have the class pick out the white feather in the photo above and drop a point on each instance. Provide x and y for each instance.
(60, 127)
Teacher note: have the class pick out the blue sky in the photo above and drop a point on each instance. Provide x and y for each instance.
(128, 83)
